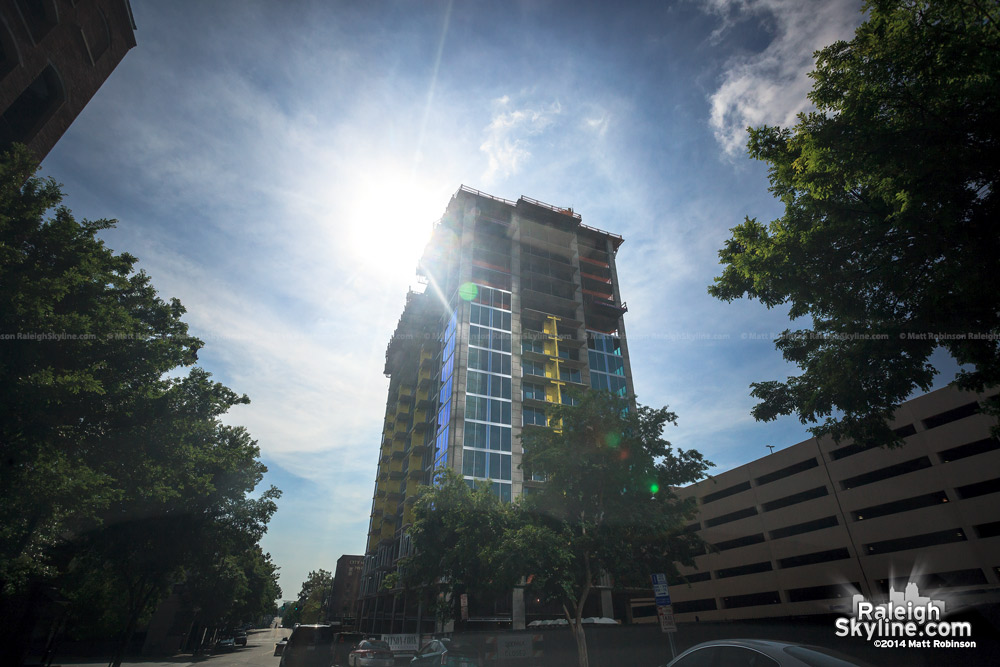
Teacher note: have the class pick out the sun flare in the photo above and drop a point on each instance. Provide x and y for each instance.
(390, 218)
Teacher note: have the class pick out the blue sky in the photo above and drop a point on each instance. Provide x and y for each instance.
(278, 166)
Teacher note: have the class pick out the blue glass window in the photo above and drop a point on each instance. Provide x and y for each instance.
(569, 374)
(533, 416)
(534, 391)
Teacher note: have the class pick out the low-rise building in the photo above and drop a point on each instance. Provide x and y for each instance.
(802, 530)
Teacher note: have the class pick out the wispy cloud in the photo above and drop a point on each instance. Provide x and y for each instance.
(509, 136)
(770, 87)
(598, 123)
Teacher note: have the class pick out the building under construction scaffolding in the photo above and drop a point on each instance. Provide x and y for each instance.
(521, 303)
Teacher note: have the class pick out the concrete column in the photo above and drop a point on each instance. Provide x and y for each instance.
(517, 609)
(607, 606)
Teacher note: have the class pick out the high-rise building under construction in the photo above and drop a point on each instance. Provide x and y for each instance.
(521, 304)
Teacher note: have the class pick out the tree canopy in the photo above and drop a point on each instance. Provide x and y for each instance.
(606, 509)
(889, 239)
(310, 607)
(118, 477)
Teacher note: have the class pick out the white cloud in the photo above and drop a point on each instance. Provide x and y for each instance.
(598, 124)
(508, 136)
(770, 87)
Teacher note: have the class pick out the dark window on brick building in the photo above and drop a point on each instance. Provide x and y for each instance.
(9, 58)
(39, 17)
(96, 34)
(26, 115)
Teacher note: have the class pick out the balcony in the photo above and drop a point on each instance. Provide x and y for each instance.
(593, 262)
(605, 307)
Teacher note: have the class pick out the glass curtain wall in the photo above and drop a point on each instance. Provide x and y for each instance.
(487, 444)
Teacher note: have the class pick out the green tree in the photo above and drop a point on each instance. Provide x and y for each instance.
(84, 338)
(456, 532)
(233, 587)
(888, 240)
(310, 605)
(115, 478)
(606, 509)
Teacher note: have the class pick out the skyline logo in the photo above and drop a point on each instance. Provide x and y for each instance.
(906, 619)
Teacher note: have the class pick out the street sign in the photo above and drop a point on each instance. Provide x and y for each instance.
(666, 615)
(665, 612)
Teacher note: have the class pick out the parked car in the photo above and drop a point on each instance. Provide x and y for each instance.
(226, 643)
(761, 653)
(446, 652)
(279, 647)
(371, 653)
(343, 644)
(309, 646)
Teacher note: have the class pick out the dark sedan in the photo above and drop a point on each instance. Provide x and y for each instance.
(309, 646)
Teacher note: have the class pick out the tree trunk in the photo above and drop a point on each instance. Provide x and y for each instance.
(576, 625)
(581, 644)
(19, 615)
(137, 605)
(116, 660)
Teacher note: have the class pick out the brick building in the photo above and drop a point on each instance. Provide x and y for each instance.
(54, 55)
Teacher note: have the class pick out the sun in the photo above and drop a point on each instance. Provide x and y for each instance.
(391, 214)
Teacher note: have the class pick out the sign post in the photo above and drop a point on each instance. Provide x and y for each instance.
(664, 610)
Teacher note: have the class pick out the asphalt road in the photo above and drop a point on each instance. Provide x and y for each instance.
(259, 652)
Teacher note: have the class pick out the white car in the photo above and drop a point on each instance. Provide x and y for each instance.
(761, 653)
(371, 653)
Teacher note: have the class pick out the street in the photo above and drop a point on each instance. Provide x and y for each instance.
(259, 652)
